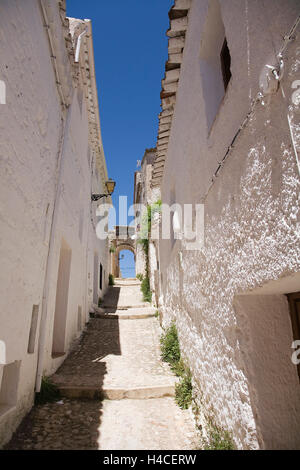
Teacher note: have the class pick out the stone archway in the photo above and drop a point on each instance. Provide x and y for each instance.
(120, 239)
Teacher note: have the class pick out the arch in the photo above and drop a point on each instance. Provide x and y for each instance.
(120, 243)
(126, 262)
(121, 247)
(125, 246)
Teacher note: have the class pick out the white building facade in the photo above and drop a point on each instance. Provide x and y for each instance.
(143, 197)
(229, 139)
(53, 266)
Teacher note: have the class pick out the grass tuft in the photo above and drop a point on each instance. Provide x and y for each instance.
(145, 288)
(170, 350)
(48, 394)
(184, 389)
(218, 439)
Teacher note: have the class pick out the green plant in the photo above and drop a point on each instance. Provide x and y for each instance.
(144, 241)
(140, 277)
(48, 393)
(170, 353)
(156, 314)
(145, 288)
(184, 389)
(112, 249)
(170, 350)
(111, 280)
(218, 439)
(100, 302)
(179, 368)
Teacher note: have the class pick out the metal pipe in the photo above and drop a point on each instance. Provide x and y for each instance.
(44, 314)
(53, 57)
(77, 53)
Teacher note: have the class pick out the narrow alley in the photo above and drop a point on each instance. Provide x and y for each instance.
(149, 226)
(116, 391)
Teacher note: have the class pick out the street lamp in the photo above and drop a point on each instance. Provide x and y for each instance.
(110, 187)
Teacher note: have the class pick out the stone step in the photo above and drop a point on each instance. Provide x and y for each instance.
(127, 283)
(137, 393)
(125, 307)
(119, 316)
(138, 313)
(157, 424)
(117, 359)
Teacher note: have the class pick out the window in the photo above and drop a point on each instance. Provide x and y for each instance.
(215, 62)
(100, 276)
(95, 283)
(79, 318)
(61, 302)
(225, 64)
(33, 328)
(294, 302)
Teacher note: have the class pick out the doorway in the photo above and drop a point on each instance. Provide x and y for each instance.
(61, 303)
(95, 287)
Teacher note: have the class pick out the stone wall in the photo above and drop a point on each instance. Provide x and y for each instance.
(48, 163)
(143, 196)
(239, 348)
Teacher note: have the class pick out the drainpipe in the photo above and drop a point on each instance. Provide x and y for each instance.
(44, 314)
(53, 57)
(65, 124)
(77, 53)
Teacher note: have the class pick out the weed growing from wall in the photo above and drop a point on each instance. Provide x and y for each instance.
(184, 390)
(218, 439)
(143, 240)
(170, 353)
(170, 350)
(145, 288)
(49, 393)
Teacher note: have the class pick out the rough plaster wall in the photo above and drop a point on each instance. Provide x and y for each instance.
(31, 131)
(153, 246)
(140, 260)
(267, 360)
(251, 223)
(148, 196)
(76, 174)
(152, 264)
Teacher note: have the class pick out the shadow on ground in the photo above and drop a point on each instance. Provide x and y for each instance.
(74, 423)
(111, 299)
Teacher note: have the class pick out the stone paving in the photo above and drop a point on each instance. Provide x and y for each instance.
(117, 359)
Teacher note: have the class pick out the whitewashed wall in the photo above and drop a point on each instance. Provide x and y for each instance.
(239, 351)
(30, 139)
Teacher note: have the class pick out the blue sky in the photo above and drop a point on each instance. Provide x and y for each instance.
(130, 48)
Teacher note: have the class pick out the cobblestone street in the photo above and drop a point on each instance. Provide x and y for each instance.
(116, 391)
